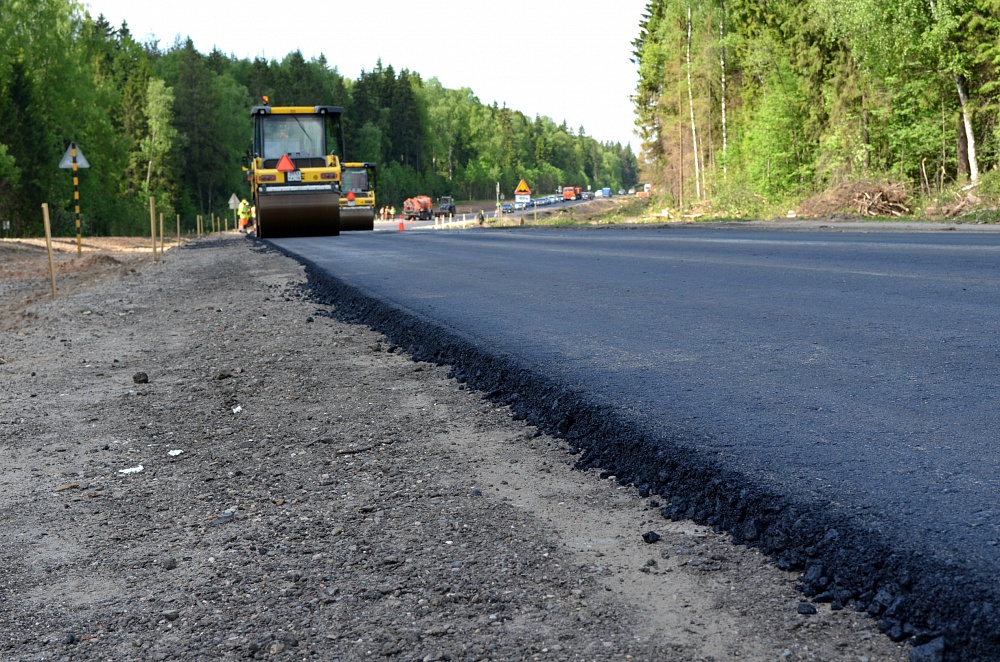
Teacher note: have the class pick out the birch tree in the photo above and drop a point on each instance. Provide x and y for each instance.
(694, 130)
(722, 96)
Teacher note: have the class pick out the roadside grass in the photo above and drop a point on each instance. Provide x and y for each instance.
(958, 204)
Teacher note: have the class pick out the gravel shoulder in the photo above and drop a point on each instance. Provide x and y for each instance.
(331, 498)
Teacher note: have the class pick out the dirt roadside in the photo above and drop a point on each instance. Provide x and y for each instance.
(332, 499)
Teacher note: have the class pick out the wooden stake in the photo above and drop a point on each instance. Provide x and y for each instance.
(161, 233)
(48, 245)
(178, 229)
(152, 223)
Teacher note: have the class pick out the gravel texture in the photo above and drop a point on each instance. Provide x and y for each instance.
(201, 461)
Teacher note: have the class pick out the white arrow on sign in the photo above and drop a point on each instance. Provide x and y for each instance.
(234, 202)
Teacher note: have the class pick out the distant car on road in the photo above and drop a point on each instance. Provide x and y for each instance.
(506, 208)
(520, 205)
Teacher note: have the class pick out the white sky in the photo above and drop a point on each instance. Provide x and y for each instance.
(565, 59)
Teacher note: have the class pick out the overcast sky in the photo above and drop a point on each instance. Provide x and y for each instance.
(567, 60)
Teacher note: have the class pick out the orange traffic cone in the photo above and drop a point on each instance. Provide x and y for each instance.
(402, 226)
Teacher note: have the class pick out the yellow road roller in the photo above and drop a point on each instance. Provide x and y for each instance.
(294, 173)
(357, 200)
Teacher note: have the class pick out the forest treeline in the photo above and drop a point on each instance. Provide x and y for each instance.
(174, 124)
(753, 103)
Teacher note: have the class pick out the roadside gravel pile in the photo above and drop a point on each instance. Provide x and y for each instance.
(201, 462)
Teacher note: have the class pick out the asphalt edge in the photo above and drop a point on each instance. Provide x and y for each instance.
(944, 612)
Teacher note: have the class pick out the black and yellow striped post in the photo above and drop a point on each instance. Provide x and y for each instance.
(74, 159)
(76, 199)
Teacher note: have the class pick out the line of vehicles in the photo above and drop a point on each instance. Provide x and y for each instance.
(568, 194)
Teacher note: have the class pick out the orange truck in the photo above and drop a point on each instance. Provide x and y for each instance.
(418, 208)
(572, 192)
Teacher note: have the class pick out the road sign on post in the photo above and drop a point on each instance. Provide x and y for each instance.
(522, 193)
(74, 159)
(234, 204)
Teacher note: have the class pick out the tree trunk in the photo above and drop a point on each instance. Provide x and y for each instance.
(865, 138)
(722, 62)
(680, 147)
(694, 130)
(962, 148)
(944, 154)
(963, 97)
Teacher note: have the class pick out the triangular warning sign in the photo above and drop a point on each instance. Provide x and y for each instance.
(67, 159)
(522, 189)
(285, 164)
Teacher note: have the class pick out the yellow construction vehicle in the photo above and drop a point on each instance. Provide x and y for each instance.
(294, 178)
(357, 202)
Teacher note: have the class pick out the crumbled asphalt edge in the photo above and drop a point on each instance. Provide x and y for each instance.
(929, 602)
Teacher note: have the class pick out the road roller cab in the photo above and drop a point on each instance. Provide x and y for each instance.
(295, 175)
(357, 200)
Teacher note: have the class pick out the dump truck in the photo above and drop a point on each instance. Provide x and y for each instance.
(294, 174)
(418, 208)
(571, 192)
(357, 200)
(446, 207)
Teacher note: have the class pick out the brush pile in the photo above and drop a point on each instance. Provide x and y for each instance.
(865, 198)
(963, 203)
(881, 199)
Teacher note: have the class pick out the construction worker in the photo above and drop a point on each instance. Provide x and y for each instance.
(243, 213)
(392, 211)
(253, 219)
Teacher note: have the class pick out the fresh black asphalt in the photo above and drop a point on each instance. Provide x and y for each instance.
(831, 398)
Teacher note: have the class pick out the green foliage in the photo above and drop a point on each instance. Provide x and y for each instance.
(770, 147)
(173, 123)
(818, 92)
(989, 187)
